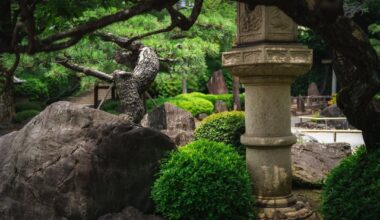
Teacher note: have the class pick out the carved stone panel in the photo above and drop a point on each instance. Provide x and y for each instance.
(279, 25)
(251, 23)
(264, 23)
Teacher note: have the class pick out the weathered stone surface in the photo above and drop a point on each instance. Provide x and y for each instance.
(202, 116)
(129, 213)
(177, 123)
(313, 90)
(217, 83)
(73, 162)
(220, 106)
(332, 111)
(313, 161)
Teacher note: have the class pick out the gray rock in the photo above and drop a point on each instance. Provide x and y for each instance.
(220, 106)
(73, 162)
(313, 90)
(129, 213)
(217, 83)
(202, 116)
(332, 111)
(177, 123)
(313, 161)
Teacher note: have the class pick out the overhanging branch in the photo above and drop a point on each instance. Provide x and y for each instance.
(90, 72)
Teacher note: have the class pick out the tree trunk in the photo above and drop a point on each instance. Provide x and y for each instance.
(236, 93)
(130, 86)
(7, 105)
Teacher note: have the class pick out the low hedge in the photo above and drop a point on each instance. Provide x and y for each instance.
(227, 98)
(352, 189)
(203, 180)
(194, 105)
(23, 116)
(226, 127)
(22, 106)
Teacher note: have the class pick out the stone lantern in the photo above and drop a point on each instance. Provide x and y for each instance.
(267, 59)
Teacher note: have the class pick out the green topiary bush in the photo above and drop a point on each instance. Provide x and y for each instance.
(193, 105)
(227, 98)
(25, 115)
(203, 180)
(226, 127)
(352, 189)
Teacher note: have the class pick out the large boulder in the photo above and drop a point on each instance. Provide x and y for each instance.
(177, 123)
(73, 162)
(313, 161)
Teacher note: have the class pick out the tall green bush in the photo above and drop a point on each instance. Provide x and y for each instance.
(352, 189)
(226, 127)
(203, 180)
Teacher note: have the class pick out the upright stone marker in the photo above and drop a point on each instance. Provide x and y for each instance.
(267, 59)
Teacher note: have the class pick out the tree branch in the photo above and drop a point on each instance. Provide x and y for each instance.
(53, 42)
(75, 67)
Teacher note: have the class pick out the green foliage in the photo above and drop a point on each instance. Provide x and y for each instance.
(22, 106)
(227, 98)
(351, 190)
(226, 127)
(374, 30)
(45, 81)
(211, 35)
(111, 106)
(22, 116)
(203, 180)
(377, 96)
(193, 105)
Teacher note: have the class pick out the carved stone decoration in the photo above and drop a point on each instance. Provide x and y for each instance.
(279, 22)
(264, 23)
(251, 20)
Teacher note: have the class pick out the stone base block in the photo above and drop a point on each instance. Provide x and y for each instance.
(283, 208)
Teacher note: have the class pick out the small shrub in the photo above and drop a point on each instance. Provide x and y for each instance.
(226, 127)
(351, 190)
(203, 180)
(28, 106)
(333, 100)
(111, 106)
(25, 115)
(191, 104)
(227, 98)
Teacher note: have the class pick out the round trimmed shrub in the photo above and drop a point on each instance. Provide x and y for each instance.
(203, 180)
(226, 127)
(194, 105)
(352, 189)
